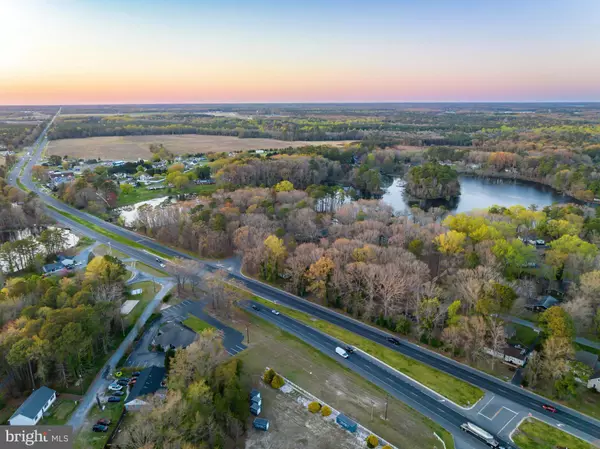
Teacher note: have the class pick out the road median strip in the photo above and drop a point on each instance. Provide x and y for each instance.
(106, 233)
(534, 434)
(451, 388)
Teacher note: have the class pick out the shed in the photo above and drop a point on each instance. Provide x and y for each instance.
(346, 423)
(254, 393)
(256, 400)
(261, 424)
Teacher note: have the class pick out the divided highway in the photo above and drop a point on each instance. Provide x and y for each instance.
(480, 379)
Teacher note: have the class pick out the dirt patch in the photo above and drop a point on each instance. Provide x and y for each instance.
(135, 147)
(292, 426)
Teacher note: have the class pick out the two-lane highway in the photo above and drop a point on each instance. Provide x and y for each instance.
(522, 397)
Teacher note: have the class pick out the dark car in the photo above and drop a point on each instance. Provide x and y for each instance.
(122, 382)
(104, 422)
(394, 340)
(255, 307)
(350, 349)
(118, 393)
(114, 399)
(549, 408)
(100, 428)
(136, 374)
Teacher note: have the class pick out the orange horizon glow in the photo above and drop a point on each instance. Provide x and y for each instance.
(75, 52)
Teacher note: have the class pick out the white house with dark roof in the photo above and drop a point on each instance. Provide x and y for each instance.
(32, 410)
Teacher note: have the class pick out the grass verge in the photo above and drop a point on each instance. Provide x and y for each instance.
(448, 386)
(535, 434)
(103, 250)
(196, 324)
(149, 270)
(106, 233)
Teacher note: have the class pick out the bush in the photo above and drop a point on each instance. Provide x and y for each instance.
(387, 446)
(326, 410)
(277, 381)
(167, 297)
(403, 326)
(372, 441)
(314, 407)
(269, 375)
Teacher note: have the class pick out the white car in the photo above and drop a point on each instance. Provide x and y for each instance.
(162, 265)
(115, 387)
(276, 312)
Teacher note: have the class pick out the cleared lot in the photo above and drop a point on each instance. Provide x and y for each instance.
(136, 147)
(292, 426)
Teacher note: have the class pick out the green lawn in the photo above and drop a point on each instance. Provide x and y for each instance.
(88, 439)
(448, 386)
(535, 434)
(151, 271)
(60, 412)
(146, 296)
(196, 324)
(525, 335)
(143, 194)
(102, 250)
(340, 387)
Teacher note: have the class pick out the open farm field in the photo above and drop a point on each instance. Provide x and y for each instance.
(136, 147)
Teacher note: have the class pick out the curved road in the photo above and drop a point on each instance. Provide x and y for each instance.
(515, 394)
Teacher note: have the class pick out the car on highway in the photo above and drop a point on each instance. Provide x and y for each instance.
(104, 422)
(100, 428)
(394, 341)
(340, 351)
(114, 399)
(255, 307)
(162, 265)
(350, 349)
(275, 312)
(549, 408)
(115, 387)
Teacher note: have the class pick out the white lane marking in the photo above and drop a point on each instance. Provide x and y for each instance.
(516, 414)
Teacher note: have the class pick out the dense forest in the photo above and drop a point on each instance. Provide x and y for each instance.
(54, 329)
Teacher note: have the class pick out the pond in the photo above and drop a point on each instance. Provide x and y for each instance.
(481, 193)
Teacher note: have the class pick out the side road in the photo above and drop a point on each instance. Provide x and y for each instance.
(100, 384)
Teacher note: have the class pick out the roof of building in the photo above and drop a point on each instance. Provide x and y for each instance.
(587, 358)
(34, 403)
(516, 353)
(149, 381)
(547, 302)
(596, 374)
(52, 267)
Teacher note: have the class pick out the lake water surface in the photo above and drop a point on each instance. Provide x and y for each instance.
(481, 193)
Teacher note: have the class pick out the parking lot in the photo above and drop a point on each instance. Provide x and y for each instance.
(172, 316)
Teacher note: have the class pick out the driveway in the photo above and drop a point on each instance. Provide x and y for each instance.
(100, 384)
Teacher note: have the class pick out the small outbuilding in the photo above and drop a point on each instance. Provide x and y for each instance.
(261, 424)
(346, 423)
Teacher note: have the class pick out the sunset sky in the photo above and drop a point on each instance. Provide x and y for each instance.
(203, 51)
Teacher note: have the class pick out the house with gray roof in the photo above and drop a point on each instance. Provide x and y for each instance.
(31, 411)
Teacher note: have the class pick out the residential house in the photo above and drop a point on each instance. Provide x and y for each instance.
(32, 410)
(594, 380)
(543, 304)
(150, 381)
(511, 355)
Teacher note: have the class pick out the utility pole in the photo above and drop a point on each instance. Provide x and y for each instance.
(248, 334)
(372, 409)
(387, 397)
